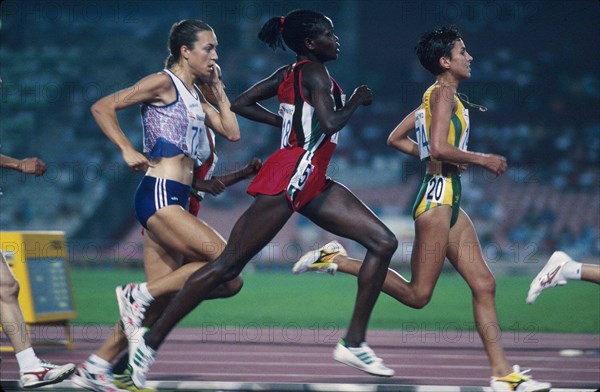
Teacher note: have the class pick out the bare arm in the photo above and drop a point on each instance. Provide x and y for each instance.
(217, 184)
(441, 112)
(316, 80)
(246, 172)
(247, 104)
(219, 116)
(156, 89)
(28, 165)
(399, 139)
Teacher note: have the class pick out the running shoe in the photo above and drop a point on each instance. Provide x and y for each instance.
(518, 382)
(362, 358)
(141, 358)
(320, 260)
(125, 382)
(549, 276)
(94, 381)
(45, 374)
(131, 308)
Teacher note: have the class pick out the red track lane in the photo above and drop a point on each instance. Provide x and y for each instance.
(293, 355)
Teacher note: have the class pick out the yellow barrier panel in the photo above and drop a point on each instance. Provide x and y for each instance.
(39, 261)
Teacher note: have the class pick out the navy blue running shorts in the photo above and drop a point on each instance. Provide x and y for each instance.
(153, 193)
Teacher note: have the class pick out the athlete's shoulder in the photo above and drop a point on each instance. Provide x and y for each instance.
(316, 75)
(159, 81)
(278, 75)
(442, 94)
(281, 72)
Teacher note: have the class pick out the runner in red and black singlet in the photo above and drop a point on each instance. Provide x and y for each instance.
(296, 172)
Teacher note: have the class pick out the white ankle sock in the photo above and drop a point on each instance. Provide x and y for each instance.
(97, 364)
(571, 270)
(27, 360)
(144, 294)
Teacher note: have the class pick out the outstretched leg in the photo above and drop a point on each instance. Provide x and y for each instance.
(559, 269)
(427, 258)
(172, 234)
(340, 212)
(164, 275)
(464, 252)
(13, 323)
(170, 282)
(253, 230)
(590, 273)
(33, 371)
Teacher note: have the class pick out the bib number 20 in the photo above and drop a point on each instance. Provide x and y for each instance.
(435, 189)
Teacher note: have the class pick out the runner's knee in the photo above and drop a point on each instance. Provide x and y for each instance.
(233, 287)
(227, 271)
(420, 299)
(385, 244)
(484, 286)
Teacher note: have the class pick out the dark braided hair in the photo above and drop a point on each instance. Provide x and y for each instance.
(436, 44)
(292, 29)
(183, 33)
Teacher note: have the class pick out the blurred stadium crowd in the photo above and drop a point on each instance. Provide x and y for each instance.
(541, 85)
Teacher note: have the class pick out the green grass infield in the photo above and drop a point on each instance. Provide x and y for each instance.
(277, 299)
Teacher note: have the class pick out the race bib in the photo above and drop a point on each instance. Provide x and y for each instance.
(421, 130)
(301, 175)
(435, 189)
(286, 111)
(196, 136)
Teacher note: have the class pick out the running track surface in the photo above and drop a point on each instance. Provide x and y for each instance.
(215, 358)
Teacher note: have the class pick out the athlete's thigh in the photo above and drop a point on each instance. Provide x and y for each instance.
(256, 227)
(7, 278)
(429, 250)
(464, 250)
(158, 260)
(338, 211)
(176, 230)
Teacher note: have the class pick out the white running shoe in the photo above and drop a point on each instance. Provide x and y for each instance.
(131, 308)
(141, 358)
(94, 381)
(125, 382)
(362, 358)
(518, 382)
(45, 374)
(320, 260)
(549, 276)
